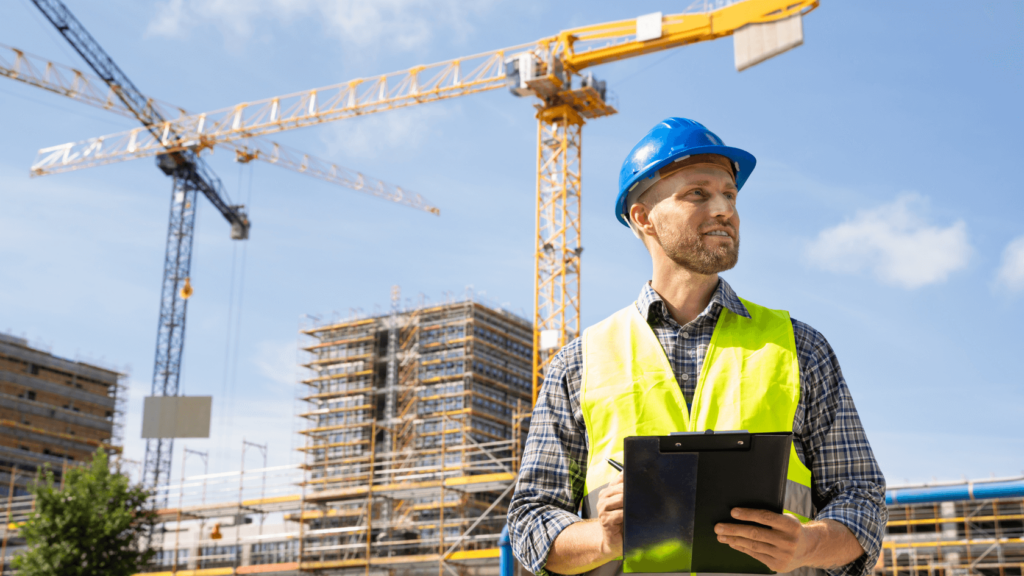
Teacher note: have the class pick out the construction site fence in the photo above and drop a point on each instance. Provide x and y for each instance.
(952, 538)
(233, 486)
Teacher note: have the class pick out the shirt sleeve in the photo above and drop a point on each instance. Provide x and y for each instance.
(848, 486)
(553, 469)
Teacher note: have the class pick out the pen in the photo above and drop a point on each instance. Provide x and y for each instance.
(614, 464)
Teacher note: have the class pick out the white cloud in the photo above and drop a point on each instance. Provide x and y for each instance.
(1011, 272)
(169, 20)
(397, 130)
(895, 243)
(406, 24)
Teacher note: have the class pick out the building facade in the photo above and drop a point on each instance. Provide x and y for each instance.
(53, 411)
(412, 436)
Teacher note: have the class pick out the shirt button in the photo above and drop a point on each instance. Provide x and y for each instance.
(686, 334)
(686, 377)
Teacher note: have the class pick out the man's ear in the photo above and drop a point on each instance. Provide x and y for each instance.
(639, 220)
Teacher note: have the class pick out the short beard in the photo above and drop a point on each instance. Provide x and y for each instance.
(689, 251)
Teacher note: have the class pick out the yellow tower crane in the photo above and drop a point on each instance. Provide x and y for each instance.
(550, 69)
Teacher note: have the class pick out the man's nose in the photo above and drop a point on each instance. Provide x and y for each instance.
(721, 206)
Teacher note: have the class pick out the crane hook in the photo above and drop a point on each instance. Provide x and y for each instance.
(186, 290)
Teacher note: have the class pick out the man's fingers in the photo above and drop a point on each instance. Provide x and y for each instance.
(612, 517)
(612, 502)
(777, 521)
(609, 498)
(749, 532)
(767, 560)
(753, 545)
(616, 480)
(613, 487)
(611, 490)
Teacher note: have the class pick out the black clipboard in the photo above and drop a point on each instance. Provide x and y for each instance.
(677, 487)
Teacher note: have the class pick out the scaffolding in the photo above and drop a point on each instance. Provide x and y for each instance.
(982, 537)
(414, 432)
(233, 522)
(415, 423)
(959, 538)
(412, 437)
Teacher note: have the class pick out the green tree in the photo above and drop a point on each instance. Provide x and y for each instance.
(94, 526)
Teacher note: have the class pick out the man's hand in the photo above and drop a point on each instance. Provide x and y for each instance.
(586, 545)
(784, 544)
(609, 514)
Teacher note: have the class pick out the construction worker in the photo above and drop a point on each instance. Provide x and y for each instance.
(701, 358)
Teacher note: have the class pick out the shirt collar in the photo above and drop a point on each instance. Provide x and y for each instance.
(650, 301)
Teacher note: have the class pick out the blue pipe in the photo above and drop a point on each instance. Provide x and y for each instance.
(956, 492)
(508, 566)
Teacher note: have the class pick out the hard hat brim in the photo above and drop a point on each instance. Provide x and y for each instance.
(744, 162)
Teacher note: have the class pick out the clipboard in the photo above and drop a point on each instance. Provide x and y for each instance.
(677, 487)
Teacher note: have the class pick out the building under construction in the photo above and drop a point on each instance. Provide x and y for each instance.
(411, 442)
(968, 528)
(414, 425)
(955, 529)
(53, 411)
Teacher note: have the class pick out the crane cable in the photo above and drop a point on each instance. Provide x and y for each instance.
(222, 400)
(234, 322)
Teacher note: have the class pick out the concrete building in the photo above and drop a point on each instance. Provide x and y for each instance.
(53, 411)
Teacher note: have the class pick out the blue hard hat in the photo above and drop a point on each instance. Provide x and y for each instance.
(673, 139)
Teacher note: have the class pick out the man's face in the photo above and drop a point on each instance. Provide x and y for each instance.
(694, 218)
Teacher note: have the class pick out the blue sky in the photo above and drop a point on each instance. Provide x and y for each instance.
(885, 209)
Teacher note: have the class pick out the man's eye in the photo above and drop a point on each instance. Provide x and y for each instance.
(698, 192)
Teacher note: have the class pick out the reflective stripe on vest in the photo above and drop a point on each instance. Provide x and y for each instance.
(750, 381)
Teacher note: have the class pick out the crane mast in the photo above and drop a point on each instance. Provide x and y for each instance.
(558, 239)
(190, 175)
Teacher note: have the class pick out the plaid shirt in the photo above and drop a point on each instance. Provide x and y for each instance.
(848, 486)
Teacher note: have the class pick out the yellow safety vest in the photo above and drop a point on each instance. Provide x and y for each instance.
(750, 381)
